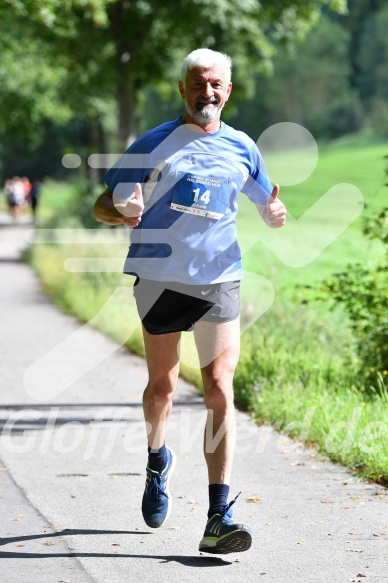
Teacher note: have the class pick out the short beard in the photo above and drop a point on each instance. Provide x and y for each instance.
(206, 115)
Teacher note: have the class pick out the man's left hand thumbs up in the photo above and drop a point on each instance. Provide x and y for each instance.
(276, 210)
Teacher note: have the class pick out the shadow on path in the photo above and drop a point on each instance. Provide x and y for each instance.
(43, 406)
(187, 561)
(39, 417)
(65, 532)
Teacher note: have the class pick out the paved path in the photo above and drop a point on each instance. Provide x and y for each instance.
(72, 471)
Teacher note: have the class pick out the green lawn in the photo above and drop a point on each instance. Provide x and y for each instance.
(362, 167)
(298, 357)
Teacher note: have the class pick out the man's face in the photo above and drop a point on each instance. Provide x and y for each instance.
(205, 93)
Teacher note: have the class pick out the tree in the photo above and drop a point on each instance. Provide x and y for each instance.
(310, 86)
(117, 47)
(372, 70)
(29, 78)
(358, 21)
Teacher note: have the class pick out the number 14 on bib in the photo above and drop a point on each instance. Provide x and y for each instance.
(205, 197)
(201, 196)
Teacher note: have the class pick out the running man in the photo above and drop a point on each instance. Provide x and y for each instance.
(176, 187)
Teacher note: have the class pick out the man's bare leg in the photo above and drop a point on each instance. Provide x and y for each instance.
(219, 348)
(163, 369)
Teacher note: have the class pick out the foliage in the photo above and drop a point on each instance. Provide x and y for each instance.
(80, 208)
(366, 23)
(363, 293)
(99, 63)
(372, 72)
(117, 47)
(310, 85)
(29, 77)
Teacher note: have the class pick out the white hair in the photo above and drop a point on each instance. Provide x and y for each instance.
(206, 58)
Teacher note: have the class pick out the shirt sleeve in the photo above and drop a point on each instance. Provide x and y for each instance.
(130, 168)
(258, 186)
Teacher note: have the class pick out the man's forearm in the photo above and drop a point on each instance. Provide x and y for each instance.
(105, 211)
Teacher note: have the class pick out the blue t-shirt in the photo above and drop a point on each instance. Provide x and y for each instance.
(191, 181)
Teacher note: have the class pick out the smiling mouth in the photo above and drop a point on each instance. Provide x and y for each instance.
(200, 104)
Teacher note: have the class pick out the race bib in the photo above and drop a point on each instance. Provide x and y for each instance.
(198, 195)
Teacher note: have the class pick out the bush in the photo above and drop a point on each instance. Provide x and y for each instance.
(363, 293)
(342, 116)
(72, 208)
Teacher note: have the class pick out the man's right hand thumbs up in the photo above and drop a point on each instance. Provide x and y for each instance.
(131, 208)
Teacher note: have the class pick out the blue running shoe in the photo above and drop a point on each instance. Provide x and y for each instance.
(223, 536)
(156, 505)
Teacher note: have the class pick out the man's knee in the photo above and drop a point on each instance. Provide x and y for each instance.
(218, 393)
(160, 390)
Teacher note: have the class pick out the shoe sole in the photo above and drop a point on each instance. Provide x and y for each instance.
(234, 542)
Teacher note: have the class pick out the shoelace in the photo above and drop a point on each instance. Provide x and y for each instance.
(228, 506)
(155, 488)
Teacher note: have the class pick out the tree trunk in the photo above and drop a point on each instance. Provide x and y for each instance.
(128, 85)
(101, 143)
(93, 140)
(127, 101)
